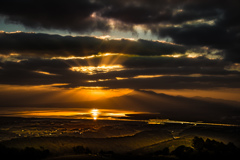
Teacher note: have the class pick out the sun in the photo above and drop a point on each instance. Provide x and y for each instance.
(95, 113)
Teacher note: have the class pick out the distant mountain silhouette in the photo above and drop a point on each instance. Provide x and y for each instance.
(171, 107)
(217, 100)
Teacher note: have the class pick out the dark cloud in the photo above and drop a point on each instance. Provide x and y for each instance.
(137, 14)
(186, 22)
(233, 54)
(191, 15)
(213, 36)
(222, 34)
(173, 82)
(190, 25)
(192, 19)
(147, 62)
(202, 35)
(72, 15)
(55, 45)
(78, 16)
(175, 73)
(166, 11)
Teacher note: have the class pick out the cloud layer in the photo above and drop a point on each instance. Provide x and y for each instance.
(202, 51)
(137, 72)
(214, 23)
(55, 45)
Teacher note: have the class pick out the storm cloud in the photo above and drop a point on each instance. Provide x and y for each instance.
(201, 27)
(70, 15)
(55, 45)
(138, 72)
(214, 24)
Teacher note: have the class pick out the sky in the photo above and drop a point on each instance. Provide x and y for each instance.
(85, 50)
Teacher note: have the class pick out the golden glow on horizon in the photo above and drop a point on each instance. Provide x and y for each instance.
(52, 93)
(121, 78)
(51, 113)
(173, 55)
(97, 69)
(116, 114)
(46, 73)
(169, 75)
(147, 76)
(72, 113)
(104, 37)
(91, 81)
(1, 31)
(103, 80)
(193, 55)
(91, 56)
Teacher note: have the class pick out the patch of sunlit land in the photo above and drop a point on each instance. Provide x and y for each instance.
(97, 69)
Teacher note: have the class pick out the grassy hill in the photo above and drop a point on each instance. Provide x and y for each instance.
(60, 145)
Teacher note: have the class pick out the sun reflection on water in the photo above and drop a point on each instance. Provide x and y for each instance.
(71, 113)
(95, 113)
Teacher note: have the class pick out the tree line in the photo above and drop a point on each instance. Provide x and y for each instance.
(29, 153)
(201, 149)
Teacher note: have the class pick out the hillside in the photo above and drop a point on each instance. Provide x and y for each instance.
(58, 145)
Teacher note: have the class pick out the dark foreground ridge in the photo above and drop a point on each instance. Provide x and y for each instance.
(68, 139)
(199, 150)
(28, 153)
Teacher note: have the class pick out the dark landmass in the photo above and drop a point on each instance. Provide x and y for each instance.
(58, 139)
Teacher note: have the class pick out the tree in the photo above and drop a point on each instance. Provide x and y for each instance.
(81, 150)
(183, 152)
(29, 153)
(165, 151)
(198, 143)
